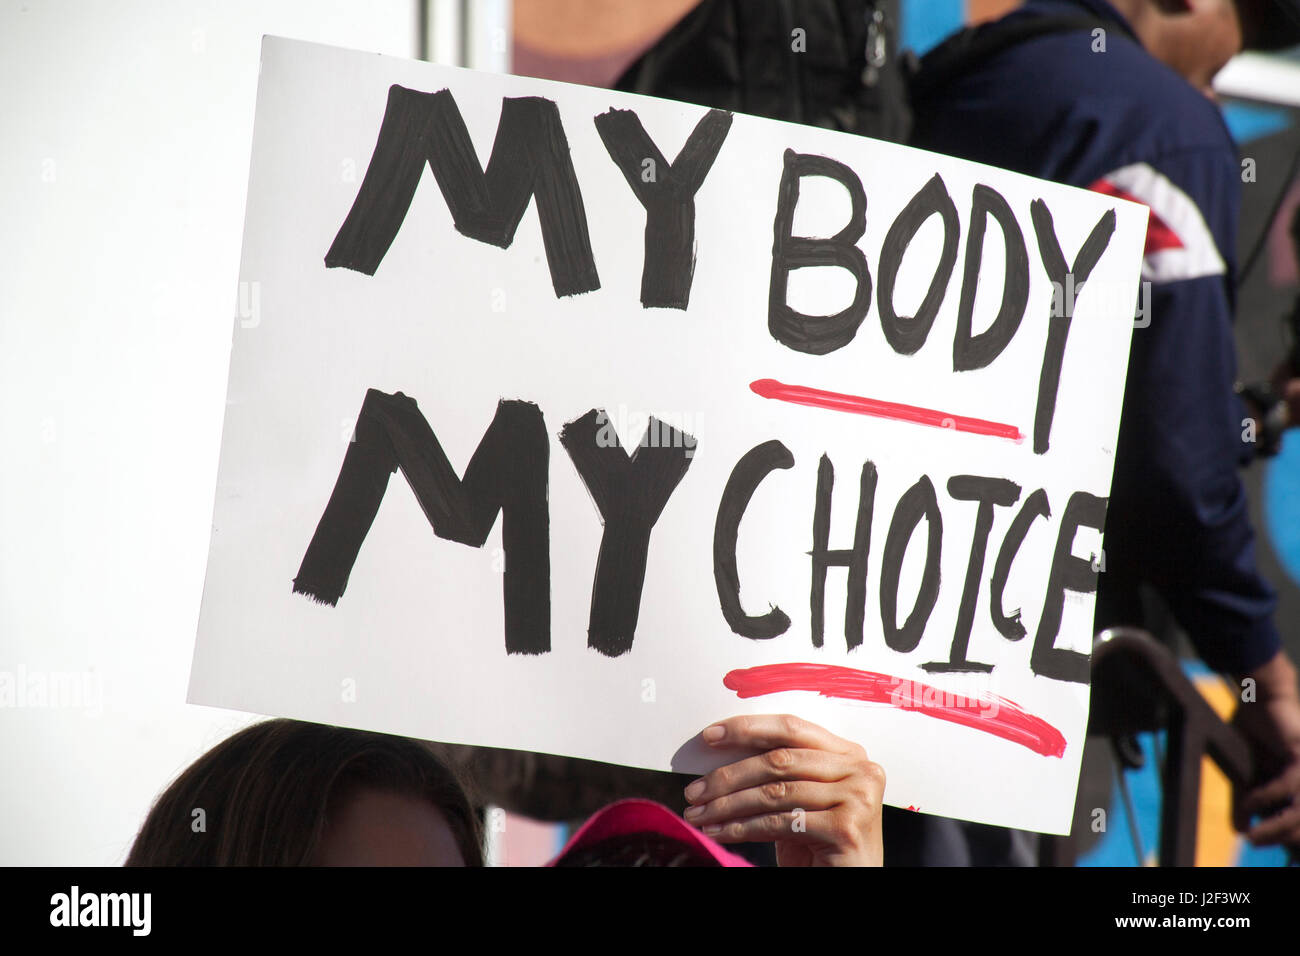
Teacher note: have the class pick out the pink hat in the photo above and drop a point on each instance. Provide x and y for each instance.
(644, 817)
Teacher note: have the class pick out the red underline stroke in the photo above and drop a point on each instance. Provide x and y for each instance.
(991, 715)
(860, 405)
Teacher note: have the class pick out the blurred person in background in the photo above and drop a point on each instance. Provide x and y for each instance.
(1112, 97)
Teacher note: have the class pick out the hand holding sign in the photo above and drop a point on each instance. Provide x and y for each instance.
(814, 794)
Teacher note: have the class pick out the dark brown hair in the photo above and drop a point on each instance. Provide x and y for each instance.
(266, 794)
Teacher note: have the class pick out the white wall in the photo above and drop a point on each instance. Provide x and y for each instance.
(125, 129)
(1268, 78)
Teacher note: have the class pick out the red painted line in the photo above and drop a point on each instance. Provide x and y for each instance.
(860, 405)
(991, 715)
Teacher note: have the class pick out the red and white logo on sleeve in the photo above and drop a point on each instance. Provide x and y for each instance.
(1179, 243)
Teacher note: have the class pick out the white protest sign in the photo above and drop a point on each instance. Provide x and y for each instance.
(868, 470)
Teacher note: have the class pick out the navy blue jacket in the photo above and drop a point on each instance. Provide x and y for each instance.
(1057, 107)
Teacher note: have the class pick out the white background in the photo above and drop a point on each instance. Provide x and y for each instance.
(117, 291)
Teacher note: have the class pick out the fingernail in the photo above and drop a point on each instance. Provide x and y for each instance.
(713, 829)
(694, 790)
(714, 734)
(693, 812)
